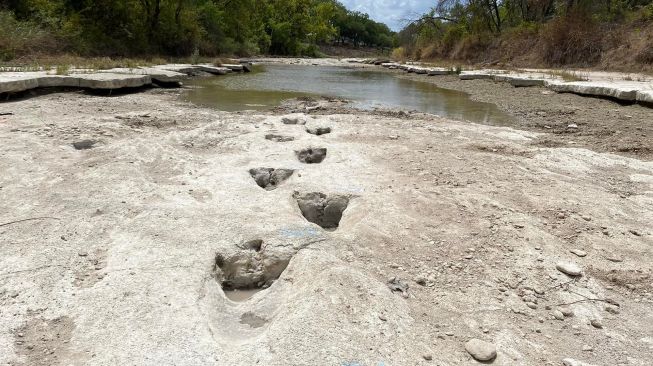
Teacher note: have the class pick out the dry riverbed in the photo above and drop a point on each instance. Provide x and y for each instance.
(568, 120)
(122, 218)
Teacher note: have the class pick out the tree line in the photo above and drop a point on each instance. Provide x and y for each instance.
(562, 31)
(183, 27)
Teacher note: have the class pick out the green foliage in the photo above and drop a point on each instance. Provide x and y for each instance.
(564, 31)
(21, 37)
(130, 28)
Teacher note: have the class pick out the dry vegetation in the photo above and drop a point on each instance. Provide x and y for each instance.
(585, 36)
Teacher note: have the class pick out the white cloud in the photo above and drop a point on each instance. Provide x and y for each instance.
(394, 13)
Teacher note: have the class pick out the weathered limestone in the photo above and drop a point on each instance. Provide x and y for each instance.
(189, 69)
(19, 82)
(117, 78)
(521, 80)
(440, 71)
(480, 74)
(234, 67)
(619, 90)
(645, 96)
(599, 84)
(157, 74)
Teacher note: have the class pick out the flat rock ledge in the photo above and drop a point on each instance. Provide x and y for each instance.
(111, 79)
(599, 84)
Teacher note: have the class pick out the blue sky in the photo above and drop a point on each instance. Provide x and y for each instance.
(391, 12)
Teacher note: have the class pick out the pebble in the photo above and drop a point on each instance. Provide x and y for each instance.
(614, 258)
(566, 312)
(596, 323)
(569, 268)
(481, 350)
(612, 310)
(558, 315)
(427, 357)
(572, 126)
(588, 348)
(571, 362)
(579, 252)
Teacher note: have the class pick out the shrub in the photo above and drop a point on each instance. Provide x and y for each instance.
(399, 54)
(19, 38)
(571, 40)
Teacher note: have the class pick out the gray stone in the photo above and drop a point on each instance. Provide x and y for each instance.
(481, 350)
(83, 145)
(579, 252)
(569, 268)
(558, 315)
(112, 81)
(596, 323)
(157, 74)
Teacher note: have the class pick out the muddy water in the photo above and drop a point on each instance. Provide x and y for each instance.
(269, 85)
(241, 295)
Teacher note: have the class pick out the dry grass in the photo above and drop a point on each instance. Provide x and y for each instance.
(569, 76)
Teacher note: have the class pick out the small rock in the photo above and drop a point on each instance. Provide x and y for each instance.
(572, 126)
(612, 310)
(292, 121)
(558, 315)
(531, 305)
(635, 232)
(596, 323)
(397, 285)
(393, 137)
(587, 348)
(481, 350)
(84, 144)
(561, 215)
(569, 268)
(615, 258)
(82, 254)
(571, 362)
(427, 357)
(579, 252)
(567, 312)
(586, 218)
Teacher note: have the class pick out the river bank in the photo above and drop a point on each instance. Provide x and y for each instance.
(126, 218)
(565, 119)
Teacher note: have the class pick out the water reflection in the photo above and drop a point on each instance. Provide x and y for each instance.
(267, 86)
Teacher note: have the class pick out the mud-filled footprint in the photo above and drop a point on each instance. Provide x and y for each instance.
(325, 211)
(278, 138)
(270, 178)
(249, 270)
(318, 131)
(311, 155)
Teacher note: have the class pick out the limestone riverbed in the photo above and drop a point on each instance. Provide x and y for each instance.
(397, 238)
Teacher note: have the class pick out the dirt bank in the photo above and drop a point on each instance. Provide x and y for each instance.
(568, 120)
(121, 217)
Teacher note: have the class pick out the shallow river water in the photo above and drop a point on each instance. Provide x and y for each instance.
(267, 86)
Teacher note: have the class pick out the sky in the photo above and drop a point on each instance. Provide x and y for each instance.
(391, 12)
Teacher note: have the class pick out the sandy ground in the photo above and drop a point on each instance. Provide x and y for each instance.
(121, 260)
